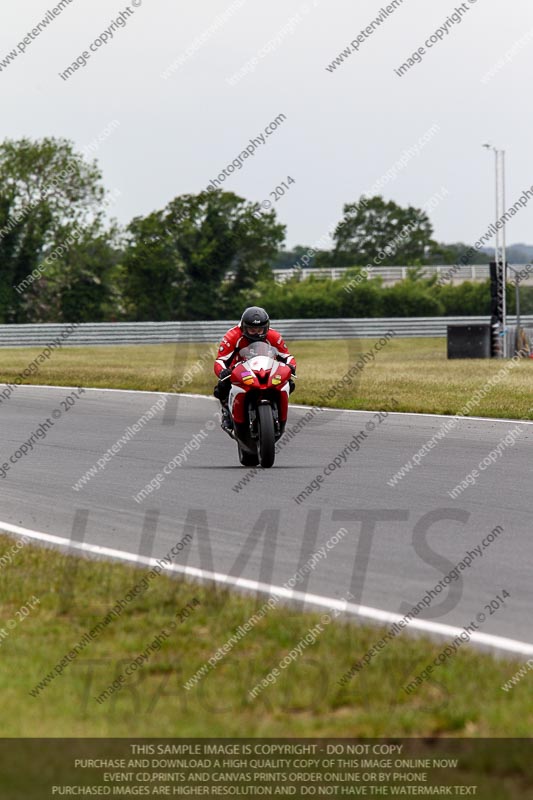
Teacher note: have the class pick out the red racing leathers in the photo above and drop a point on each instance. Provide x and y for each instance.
(234, 340)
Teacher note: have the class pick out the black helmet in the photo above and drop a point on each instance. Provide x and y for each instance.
(255, 324)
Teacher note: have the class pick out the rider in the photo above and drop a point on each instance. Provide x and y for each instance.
(253, 327)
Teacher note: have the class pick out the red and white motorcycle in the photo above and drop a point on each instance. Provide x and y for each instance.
(258, 402)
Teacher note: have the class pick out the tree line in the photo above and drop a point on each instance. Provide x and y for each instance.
(202, 256)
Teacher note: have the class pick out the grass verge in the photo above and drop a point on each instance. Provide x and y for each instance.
(465, 698)
(414, 373)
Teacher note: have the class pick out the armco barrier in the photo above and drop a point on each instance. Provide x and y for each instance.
(118, 333)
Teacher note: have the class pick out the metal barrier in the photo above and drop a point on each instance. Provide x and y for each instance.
(122, 333)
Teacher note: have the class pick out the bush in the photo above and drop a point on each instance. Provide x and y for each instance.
(411, 299)
(465, 299)
(315, 298)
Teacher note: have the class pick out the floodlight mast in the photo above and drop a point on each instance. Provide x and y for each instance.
(500, 241)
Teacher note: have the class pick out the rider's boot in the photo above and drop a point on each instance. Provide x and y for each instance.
(226, 422)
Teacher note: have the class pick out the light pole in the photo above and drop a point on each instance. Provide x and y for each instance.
(517, 302)
(500, 243)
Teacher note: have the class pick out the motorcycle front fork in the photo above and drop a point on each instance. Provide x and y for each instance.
(254, 432)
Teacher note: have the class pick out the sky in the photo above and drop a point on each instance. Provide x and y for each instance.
(178, 90)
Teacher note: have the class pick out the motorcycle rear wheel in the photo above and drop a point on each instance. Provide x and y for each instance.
(267, 436)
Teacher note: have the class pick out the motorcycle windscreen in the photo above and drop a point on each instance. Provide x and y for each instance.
(259, 355)
(259, 349)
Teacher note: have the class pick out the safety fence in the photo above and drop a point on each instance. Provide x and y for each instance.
(123, 333)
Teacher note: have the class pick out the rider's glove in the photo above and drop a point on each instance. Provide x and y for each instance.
(292, 368)
(223, 374)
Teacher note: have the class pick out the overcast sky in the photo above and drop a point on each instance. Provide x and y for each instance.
(344, 130)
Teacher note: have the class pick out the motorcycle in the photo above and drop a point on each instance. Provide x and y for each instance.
(258, 402)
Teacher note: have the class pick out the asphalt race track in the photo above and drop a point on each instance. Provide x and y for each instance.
(400, 541)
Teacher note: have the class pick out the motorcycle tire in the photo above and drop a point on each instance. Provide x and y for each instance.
(267, 436)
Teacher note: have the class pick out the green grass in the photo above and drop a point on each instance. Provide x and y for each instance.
(465, 700)
(406, 375)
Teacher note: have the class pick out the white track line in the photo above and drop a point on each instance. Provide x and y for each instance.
(330, 603)
(293, 405)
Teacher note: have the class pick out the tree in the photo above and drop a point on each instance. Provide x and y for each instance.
(456, 254)
(373, 230)
(287, 259)
(87, 278)
(152, 277)
(189, 260)
(48, 192)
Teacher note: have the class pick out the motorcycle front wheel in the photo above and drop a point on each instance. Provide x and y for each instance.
(267, 436)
